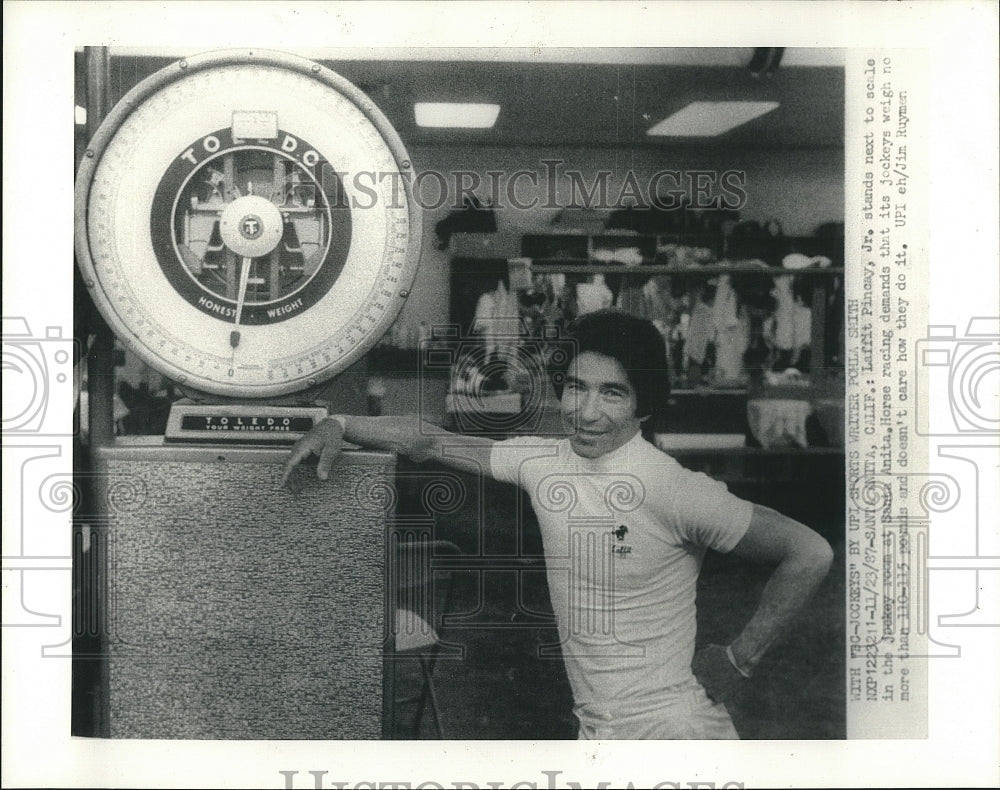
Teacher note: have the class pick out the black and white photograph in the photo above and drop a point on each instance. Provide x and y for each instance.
(527, 404)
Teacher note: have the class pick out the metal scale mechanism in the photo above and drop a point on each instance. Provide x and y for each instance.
(220, 233)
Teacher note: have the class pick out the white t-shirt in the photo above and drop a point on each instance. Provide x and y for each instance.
(624, 537)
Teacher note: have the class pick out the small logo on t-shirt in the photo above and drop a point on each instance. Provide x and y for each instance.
(619, 547)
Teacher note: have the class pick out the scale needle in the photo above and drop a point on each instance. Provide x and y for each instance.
(234, 336)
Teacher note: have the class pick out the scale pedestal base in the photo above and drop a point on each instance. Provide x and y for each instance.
(236, 609)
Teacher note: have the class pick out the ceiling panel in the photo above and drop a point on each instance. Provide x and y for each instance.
(606, 105)
(553, 102)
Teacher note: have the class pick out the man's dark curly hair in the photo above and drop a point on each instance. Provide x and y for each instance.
(638, 347)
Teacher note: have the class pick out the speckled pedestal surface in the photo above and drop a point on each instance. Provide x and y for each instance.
(238, 609)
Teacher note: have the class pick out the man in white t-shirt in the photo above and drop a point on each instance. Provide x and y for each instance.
(624, 529)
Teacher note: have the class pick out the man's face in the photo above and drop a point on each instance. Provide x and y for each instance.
(598, 405)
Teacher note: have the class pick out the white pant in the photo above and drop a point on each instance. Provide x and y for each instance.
(680, 712)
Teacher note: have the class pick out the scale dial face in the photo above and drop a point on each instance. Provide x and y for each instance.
(245, 223)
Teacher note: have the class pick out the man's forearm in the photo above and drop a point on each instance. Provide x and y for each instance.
(801, 560)
(419, 440)
(791, 585)
(407, 436)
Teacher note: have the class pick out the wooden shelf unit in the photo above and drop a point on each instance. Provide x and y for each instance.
(575, 255)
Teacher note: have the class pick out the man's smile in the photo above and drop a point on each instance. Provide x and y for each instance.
(598, 405)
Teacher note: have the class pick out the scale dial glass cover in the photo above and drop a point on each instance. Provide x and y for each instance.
(245, 223)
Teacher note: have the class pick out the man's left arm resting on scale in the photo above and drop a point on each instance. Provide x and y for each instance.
(406, 435)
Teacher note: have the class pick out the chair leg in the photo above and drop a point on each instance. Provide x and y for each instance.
(430, 694)
(420, 700)
(426, 694)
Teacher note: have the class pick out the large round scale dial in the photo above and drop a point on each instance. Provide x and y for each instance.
(245, 223)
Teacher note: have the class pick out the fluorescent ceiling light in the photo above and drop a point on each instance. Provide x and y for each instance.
(710, 118)
(456, 115)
